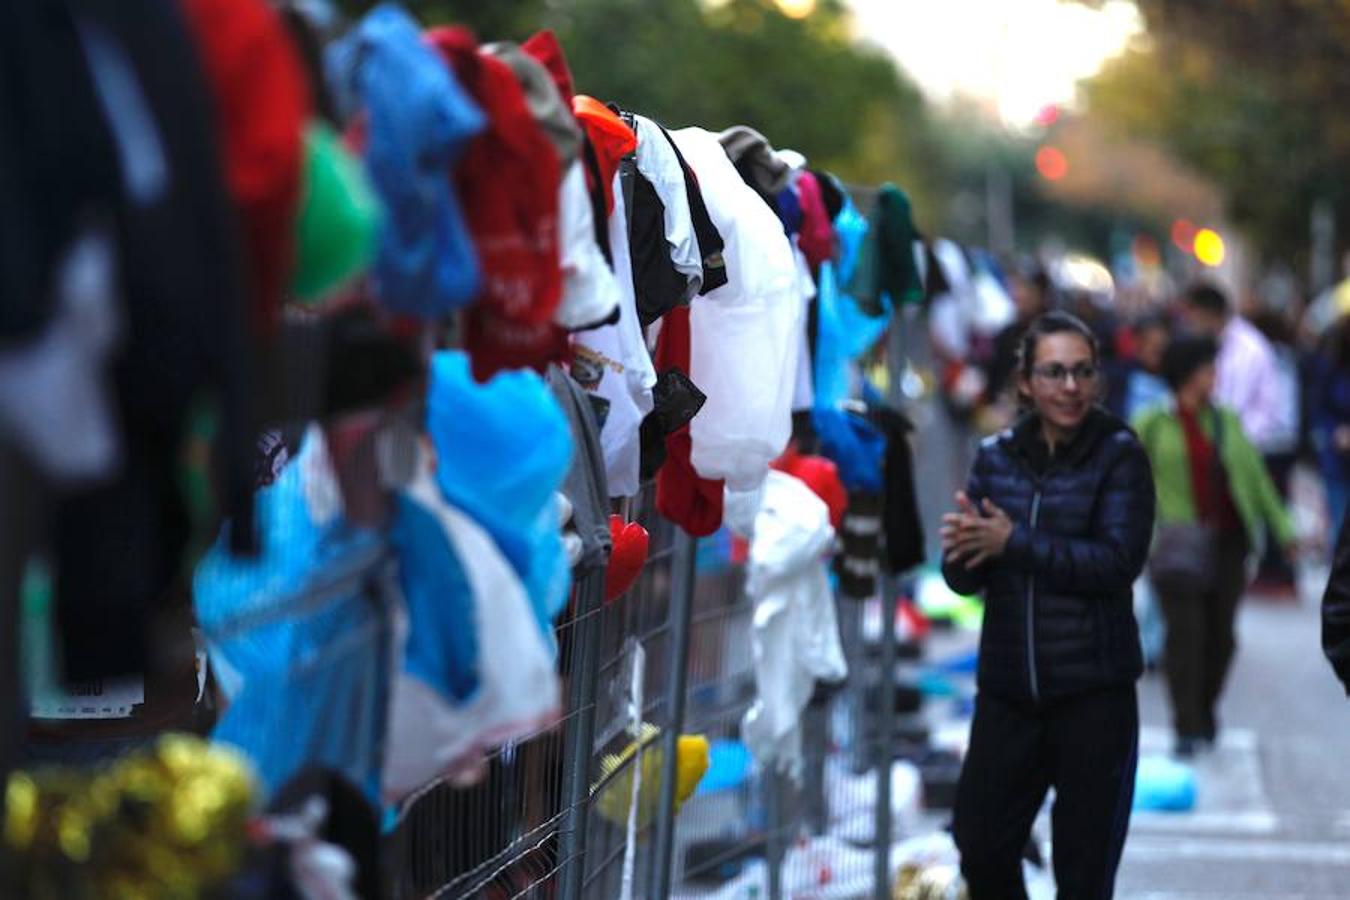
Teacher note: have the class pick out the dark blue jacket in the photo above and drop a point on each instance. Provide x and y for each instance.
(1059, 618)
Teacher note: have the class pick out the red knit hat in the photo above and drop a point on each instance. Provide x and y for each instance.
(544, 47)
(508, 184)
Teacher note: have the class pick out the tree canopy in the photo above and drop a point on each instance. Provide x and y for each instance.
(805, 83)
(1251, 93)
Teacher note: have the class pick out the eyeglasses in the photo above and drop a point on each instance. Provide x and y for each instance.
(1083, 373)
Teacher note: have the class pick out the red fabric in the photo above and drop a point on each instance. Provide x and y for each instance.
(740, 550)
(693, 503)
(626, 559)
(682, 496)
(821, 476)
(508, 184)
(1213, 501)
(495, 342)
(816, 238)
(916, 624)
(544, 47)
(611, 138)
(262, 102)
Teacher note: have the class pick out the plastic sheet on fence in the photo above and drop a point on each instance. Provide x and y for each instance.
(299, 636)
(478, 672)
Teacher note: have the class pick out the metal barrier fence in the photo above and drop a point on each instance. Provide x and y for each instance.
(587, 809)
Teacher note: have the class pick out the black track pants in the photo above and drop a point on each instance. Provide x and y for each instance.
(1087, 749)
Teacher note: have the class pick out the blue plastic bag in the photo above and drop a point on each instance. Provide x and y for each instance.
(1164, 785)
(503, 449)
(854, 445)
(442, 646)
(298, 638)
(844, 332)
(418, 122)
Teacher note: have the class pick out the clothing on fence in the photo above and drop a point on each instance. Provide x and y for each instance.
(428, 308)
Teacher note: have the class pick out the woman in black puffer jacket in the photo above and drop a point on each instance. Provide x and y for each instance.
(1053, 530)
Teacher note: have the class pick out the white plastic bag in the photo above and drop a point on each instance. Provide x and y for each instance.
(796, 634)
(744, 335)
(517, 690)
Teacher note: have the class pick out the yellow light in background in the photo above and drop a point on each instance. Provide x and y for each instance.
(1209, 247)
(797, 9)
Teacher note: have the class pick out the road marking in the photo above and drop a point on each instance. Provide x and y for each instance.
(1231, 796)
(1255, 822)
(1158, 849)
(1226, 895)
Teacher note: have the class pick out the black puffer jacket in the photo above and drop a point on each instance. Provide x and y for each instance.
(1336, 610)
(1058, 613)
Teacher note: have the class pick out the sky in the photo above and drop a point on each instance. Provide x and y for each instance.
(1016, 56)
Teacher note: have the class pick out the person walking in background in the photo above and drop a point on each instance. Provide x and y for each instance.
(1032, 292)
(1247, 373)
(1281, 449)
(1052, 529)
(1215, 501)
(1144, 384)
(1145, 388)
(1329, 411)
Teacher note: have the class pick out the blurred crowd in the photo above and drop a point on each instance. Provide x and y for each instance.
(1282, 365)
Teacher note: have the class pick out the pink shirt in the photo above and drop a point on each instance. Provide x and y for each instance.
(1249, 379)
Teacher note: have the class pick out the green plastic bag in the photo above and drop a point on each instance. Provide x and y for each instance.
(338, 221)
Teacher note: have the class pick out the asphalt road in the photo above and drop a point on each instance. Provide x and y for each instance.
(1273, 816)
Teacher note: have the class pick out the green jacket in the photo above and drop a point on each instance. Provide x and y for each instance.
(1254, 494)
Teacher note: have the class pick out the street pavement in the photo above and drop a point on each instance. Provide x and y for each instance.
(1273, 814)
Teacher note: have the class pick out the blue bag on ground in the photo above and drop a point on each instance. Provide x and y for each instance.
(1164, 785)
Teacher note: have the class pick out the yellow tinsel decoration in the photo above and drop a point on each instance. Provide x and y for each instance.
(168, 823)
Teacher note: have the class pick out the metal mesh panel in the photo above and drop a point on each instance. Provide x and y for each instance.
(815, 837)
(501, 837)
(639, 618)
(534, 817)
(556, 815)
(716, 831)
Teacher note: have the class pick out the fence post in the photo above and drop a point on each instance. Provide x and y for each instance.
(682, 576)
(577, 751)
(815, 737)
(855, 688)
(771, 784)
(885, 753)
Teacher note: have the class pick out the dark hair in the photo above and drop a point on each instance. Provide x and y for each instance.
(1335, 344)
(1185, 356)
(1035, 274)
(1208, 297)
(1275, 325)
(1151, 322)
(1045, 325)
(1042, 326)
